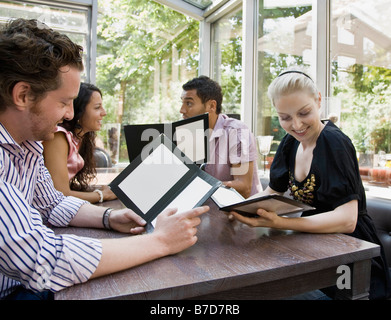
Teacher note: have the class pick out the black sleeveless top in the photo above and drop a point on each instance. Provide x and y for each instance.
(333, 180)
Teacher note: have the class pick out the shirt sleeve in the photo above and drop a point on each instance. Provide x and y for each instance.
(337, 166)
(242, 147)
(31, 253)
(55, 208)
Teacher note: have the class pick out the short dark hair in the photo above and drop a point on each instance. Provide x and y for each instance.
(207, 89)
(32, 52)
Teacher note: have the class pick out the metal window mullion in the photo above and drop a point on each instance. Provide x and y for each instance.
(321, 45)
(205, 49)
(249, 64)
(93, 25)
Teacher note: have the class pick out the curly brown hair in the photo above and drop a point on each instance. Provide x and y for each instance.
(81, 180)
(32, 52)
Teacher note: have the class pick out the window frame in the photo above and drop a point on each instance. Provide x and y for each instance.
(220, 8)
(321, 37)
(91, 7)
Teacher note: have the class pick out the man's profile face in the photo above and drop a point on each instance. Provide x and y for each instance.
(56, 106)
(191, 104)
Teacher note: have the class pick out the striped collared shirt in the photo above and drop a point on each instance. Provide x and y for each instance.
(30, 253)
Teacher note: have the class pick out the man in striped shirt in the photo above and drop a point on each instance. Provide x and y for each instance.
(39, 78)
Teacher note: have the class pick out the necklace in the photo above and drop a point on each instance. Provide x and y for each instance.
(304, 194)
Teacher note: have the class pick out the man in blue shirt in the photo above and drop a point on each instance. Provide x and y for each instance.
(39, 79)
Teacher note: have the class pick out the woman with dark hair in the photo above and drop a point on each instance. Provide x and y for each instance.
(69, 157)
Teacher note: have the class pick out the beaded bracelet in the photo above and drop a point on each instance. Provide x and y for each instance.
(100, 195)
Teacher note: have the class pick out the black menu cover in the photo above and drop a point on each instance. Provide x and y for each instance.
(162, 178)
(227, 199)
(190, 135)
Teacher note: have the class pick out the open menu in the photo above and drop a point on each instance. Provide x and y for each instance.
(190, 135)
(228, 199)
(164, 178)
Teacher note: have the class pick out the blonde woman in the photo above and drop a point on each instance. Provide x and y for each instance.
(317, 162)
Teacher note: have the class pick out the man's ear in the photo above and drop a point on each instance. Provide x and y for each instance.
(20, 95)
(211, 106)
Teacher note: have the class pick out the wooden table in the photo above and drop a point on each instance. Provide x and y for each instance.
(232, 261)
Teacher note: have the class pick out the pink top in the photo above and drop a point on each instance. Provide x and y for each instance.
(75, 162)
(231, 142)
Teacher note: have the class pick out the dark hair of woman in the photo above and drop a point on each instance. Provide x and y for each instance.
(81, 180)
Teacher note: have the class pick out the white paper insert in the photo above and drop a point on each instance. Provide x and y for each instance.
(189, 197)
(160, 163)
(190, 140)
(226, 196)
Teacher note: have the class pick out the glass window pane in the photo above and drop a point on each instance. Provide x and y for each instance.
(227, 59)
(361, 77)
(145, 53)
(202, 4)
(70, 21)
(284, 40)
